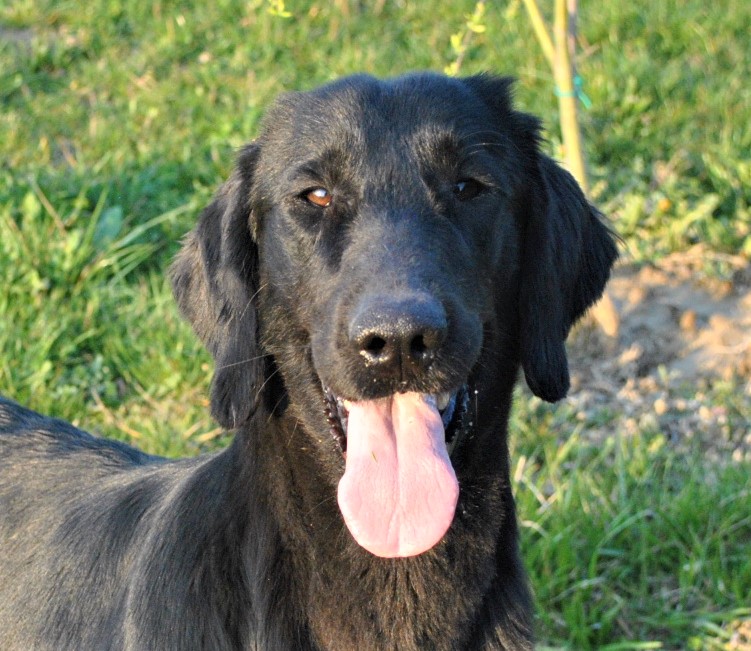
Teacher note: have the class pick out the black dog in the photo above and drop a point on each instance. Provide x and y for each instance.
(369, 280)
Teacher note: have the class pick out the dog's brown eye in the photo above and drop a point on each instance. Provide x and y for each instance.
(467, 189)
(320, 197)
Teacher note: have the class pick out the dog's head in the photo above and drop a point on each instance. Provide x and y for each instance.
(376, 252)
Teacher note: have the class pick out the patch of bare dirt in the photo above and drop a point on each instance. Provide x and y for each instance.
(681, 361)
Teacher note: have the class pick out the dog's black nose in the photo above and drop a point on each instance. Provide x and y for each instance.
(398, 336)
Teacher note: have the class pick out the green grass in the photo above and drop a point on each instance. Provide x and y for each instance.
(119, 118)
(630, 542)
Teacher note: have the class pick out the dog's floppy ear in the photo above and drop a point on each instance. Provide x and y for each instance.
(567, 253)
(215, 282)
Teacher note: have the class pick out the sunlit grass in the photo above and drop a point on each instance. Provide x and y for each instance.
(119, 119)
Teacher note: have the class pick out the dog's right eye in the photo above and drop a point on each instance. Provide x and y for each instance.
(320, 197)
(467, 189)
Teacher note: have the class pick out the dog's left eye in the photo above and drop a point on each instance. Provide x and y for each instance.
(467, 189)
(320, 197)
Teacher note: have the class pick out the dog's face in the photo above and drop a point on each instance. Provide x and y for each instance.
(384, 247)
(381, 232)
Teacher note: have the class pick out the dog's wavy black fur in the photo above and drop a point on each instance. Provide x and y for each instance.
(440, 196)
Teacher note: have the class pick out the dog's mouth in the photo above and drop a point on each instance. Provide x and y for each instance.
(399, 490)
(452, 406)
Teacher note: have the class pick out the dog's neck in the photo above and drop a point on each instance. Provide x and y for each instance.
(348, 593)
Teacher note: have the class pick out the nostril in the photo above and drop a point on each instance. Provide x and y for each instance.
(418, 347)
(374, 346)
(424, 345)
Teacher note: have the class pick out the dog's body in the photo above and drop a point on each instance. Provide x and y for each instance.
(384, 258)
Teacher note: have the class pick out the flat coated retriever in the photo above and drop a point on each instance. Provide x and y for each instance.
(382, 261)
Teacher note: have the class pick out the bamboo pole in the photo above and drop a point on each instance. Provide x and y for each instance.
(560, 51)
(541, 31)
(567, 96)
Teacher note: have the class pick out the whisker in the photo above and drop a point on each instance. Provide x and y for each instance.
(265, 382)
(241, 362)
(250, 302)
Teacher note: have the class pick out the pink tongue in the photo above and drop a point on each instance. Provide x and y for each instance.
(399, 491)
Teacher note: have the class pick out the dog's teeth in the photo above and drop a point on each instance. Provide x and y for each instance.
(430, 399)
(442, 400)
